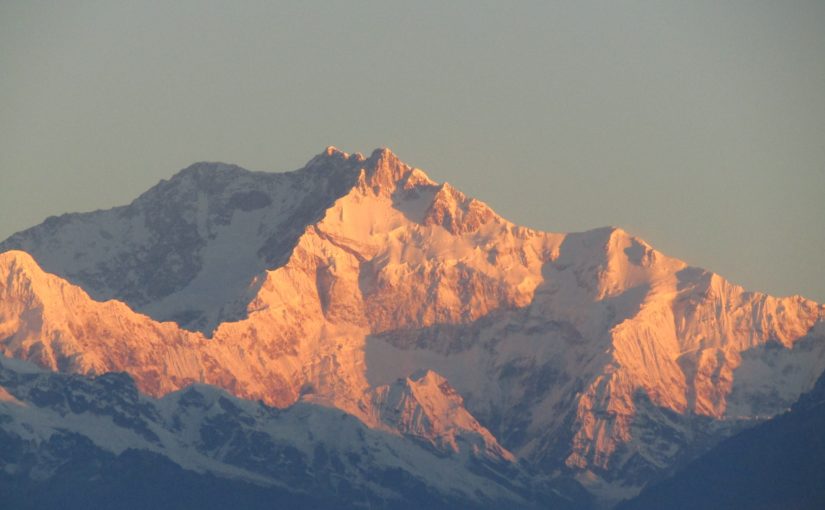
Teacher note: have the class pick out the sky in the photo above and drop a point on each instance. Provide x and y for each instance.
(698, 126)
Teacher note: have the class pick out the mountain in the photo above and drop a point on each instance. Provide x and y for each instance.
(188, 249)
(71, 441)
(345, 283)
(779, 464)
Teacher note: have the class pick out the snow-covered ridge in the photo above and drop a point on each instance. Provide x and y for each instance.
(424, 406)
(306, 449)
(590, 352)
(191, 248)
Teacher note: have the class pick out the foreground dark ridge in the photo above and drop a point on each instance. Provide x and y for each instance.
(777, 465)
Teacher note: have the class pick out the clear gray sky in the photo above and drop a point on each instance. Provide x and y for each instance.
(699, 126)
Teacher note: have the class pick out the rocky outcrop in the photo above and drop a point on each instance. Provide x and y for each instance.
(426, 408)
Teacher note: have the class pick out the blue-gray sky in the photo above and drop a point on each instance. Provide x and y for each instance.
(699, 126)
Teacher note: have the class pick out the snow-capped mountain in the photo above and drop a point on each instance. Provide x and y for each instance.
(361, 284)
(307, 455)
(188, 249)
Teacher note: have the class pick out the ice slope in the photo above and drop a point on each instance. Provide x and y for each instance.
(589, 353)
(190, 249)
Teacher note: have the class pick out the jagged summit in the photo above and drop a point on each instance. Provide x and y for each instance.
(588, 353)
(383, 167)
(457, 213)
(194, 248)
(332, 156)
(383, 171)
(12, 257)
(427, 408)
(331, 150)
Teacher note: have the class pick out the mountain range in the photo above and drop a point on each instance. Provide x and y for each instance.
(496, 362)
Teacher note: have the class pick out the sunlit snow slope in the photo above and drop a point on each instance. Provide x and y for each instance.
(362, 284)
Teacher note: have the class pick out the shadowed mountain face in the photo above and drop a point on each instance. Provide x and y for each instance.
(68, 441)
(189, 249)
(777, 465)
(361, 284)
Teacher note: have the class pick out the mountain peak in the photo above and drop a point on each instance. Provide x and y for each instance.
(383, 153)
(16, 256)
(332, 150)
(19, 263)
(335, 152)
(384, 171)
(456, 212)
(201, 168)
(332, 157)
(426, 407)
